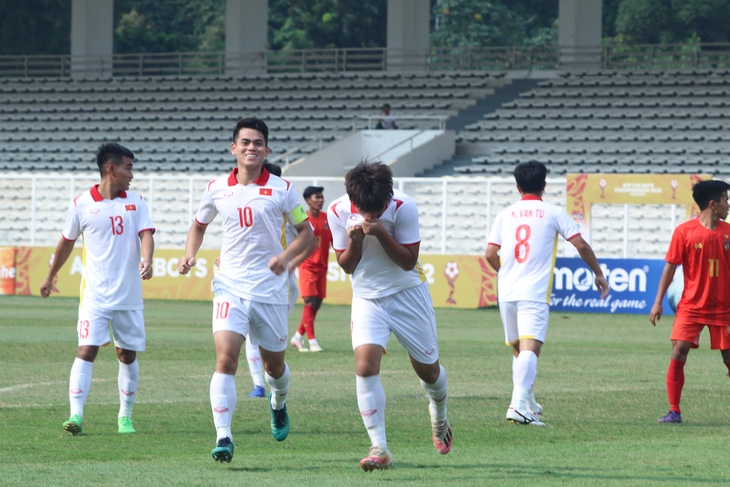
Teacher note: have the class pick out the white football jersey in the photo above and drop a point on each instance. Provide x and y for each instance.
(376, 275)
(527, 234)
(252, 232)
(111, 247)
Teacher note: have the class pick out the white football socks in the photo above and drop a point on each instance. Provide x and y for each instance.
(223, 402)
(524, 371)
(371, 401)
(79, 384)
(255, 366)
(437, 395)
(127, 380)
(279, 388)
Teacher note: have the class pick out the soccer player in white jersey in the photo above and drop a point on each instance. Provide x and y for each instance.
(253, 356)
(376, 237)
(251, 286)
(528, 232)
(116, 228)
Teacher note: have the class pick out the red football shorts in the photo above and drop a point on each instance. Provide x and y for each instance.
(312, 283)
(690, 332)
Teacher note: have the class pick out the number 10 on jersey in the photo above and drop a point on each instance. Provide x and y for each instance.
(245, 216)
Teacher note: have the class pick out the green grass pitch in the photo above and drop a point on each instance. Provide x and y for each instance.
(600, 382)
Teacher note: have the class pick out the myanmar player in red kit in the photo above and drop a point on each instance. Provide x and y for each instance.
(702, 247)
(313, 270)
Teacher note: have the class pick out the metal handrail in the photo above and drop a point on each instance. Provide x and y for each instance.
(638, 56)
(440, 118)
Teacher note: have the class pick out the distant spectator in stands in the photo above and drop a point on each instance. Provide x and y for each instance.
(386, 120)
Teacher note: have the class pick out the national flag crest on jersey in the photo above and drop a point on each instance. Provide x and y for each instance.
(265, 191)
(727, 244)
(130, 207)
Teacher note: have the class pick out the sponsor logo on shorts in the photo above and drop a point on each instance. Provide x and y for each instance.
(429, 352)
(76, 391)
(220, 410)
(368, 412)
(282, 338)
(127, 393)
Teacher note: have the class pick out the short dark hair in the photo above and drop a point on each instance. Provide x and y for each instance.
(310, 190)
(274, 169)
(706, 191)
(111, 152)
(369, 185)
(386, 105)
(252, 123)
(530, 176)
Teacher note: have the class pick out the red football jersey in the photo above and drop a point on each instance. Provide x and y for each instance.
(319, 258)
(705, 258)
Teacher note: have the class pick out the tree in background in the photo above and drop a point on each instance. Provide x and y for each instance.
(672, 21)
(35, 27)
(169, 25)
(306, 24)
(474, 23)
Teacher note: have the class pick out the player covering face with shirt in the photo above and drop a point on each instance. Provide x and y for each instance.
(376, 237)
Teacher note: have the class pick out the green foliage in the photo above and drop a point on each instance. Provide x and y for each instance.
(305, 24)
(35, 27)
(672, 21)
(169, 25)
(474, 23)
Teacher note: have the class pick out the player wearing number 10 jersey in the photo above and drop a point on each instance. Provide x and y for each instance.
(116, 228)
(702, 246)
(522, 249)
(251, 285)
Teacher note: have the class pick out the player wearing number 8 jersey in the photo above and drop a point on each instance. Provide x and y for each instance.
(251, 284)
(116, 227)
(522, 249)
(702, 247)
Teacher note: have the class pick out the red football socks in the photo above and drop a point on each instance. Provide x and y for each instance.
(675, 383)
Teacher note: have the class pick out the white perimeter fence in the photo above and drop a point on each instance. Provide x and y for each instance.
(455, 213)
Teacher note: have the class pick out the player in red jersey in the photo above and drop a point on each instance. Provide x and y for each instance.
(313, 270)
(702, 246)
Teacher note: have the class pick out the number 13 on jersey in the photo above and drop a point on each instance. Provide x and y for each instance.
(522, 249)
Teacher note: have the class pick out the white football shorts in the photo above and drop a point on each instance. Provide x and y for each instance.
(524, 320)
(408, 314)
(127, 328)
(265, 324)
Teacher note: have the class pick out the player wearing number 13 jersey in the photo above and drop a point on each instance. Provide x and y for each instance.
(116, 227)
(251, 285)
(702, 247)
(522, 249)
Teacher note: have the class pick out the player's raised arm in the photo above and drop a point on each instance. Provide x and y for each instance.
(657, 309)
(586, 253)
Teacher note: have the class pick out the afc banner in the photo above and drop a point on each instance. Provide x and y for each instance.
(633, 283)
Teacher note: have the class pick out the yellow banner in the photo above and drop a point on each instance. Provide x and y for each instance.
(456, 281)
(583, 190)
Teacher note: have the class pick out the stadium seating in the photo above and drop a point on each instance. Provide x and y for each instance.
(628, 122)
(174, 120)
